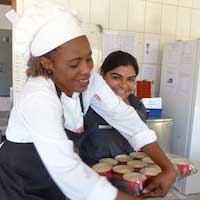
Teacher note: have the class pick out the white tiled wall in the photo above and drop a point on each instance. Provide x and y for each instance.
(195, 23)
(100, 12)
(172, 2)
(183, 21)
(118, 8)
(167, 20)
(196, 4)
(136, 15)
(153, 17)
(83, 7)
(186, 3)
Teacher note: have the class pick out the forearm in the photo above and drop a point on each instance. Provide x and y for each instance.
(154, 151)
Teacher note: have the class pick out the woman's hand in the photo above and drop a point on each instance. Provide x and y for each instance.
(124, 196)
(160, 185)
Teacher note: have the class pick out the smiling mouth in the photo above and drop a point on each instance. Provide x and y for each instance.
(121, 92)
(84, 82)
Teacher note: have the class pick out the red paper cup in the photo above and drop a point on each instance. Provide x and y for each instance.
(103, 169)
(120, 170)
(134, 182)
(137, 155)
(109, 161)
(123, 158)
(150, 172)
(183, 165)
(136, 165)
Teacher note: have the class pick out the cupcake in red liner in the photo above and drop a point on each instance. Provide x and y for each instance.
(183, 165)
(109, 161)
(151, 172)
(134, 182)
(120, 170)
(138, 155)
(148, 160)
(103, 169)
(123, 158)
(137, 165)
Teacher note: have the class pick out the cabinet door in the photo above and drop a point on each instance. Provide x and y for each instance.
(5, 62)
(163, 131)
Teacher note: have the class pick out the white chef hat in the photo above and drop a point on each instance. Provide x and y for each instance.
(43, 27)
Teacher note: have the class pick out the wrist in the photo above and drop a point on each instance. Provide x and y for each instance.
(170, 169)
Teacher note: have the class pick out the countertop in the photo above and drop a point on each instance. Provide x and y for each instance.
(4, 115)
(159, 119)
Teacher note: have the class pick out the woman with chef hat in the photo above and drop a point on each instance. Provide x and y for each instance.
(37, 160)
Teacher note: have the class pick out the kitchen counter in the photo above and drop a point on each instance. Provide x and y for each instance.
(161, 125)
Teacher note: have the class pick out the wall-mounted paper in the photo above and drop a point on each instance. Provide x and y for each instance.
(170, 79)
(149, 72)
(151, 48)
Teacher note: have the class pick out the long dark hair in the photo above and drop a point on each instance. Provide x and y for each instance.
(118, 58)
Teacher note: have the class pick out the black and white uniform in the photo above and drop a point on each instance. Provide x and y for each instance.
(38, 161)
(101, 140)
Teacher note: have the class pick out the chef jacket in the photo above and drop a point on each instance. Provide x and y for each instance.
(37, 117)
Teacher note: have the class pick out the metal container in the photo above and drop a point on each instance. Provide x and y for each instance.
(163, 128)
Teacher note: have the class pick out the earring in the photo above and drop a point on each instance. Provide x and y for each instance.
(49, 72)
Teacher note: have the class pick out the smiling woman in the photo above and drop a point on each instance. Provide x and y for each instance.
(37, 160)
(119, 70)
(67, 65)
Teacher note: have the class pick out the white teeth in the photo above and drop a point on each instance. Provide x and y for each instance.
(121, 91)
(84, 81)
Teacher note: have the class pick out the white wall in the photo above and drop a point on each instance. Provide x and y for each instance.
(165, 20)
(4, 23)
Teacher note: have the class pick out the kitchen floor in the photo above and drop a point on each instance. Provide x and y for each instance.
(175, 195)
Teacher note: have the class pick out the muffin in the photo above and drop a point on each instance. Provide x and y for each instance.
(138, 155)
(123, 158)
(109, 161)
(136, 165)
(103, 169)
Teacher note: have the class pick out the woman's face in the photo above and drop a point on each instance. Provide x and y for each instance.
(71, 64)
(121, 80)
